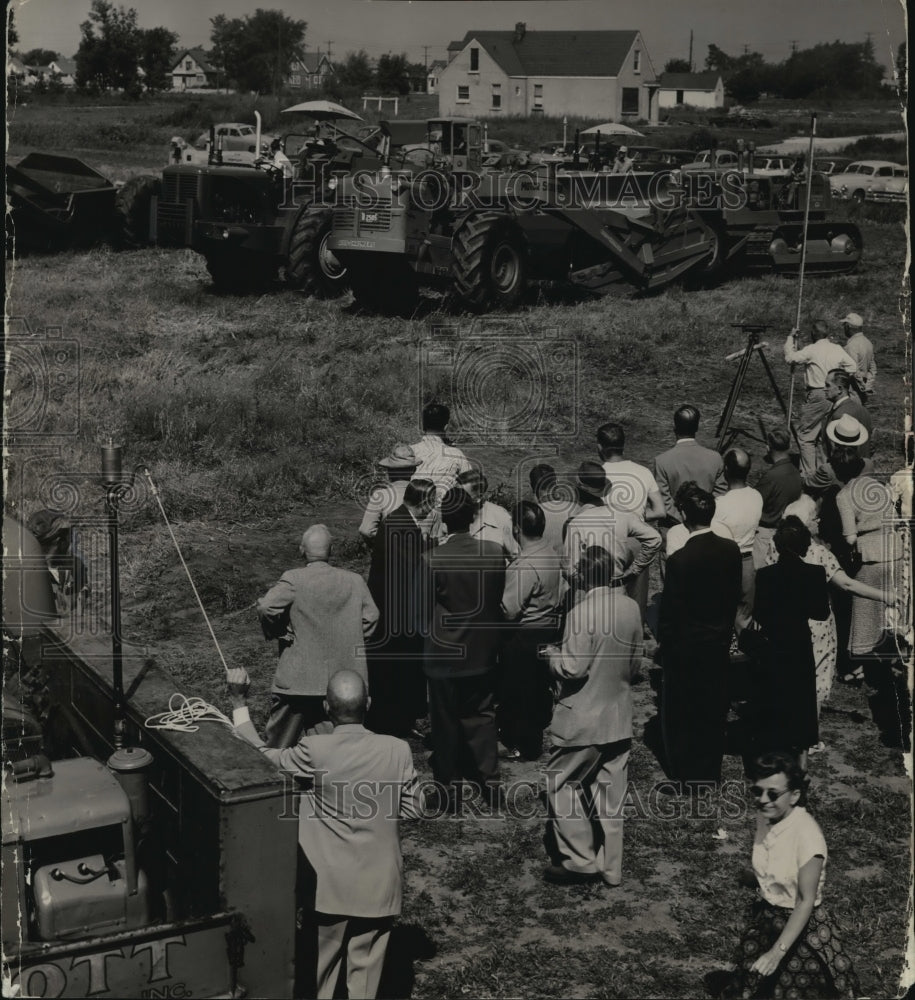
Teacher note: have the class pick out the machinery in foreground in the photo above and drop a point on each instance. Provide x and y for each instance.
(252, 220)
(58, 202)
(484, 236)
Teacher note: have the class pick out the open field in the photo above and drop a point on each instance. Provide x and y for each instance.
(258, 415)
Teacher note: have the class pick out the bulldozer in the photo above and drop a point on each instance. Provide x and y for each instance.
(484, 236)
(251, 220)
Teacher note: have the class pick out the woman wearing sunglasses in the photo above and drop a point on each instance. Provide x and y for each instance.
(790, 946)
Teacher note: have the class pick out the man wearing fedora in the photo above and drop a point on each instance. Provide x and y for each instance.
(818, 359)
(400, 466)
(608, 528)
(861, 351)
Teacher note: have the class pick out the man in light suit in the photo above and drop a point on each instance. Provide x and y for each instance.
(698, 606)
(321, 615)
(687, 460)
(592, 724)
(361, 784)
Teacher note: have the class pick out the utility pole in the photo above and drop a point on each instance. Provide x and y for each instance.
(426, 58)
(746, 48)
(690, 50)
(329, 50)
(794, 42)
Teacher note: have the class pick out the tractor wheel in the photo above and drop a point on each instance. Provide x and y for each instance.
(389, 288)
(311, 268)
(488, 264)
(132, 209)
(239, 272)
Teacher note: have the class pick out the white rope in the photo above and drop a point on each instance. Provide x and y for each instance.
(155, 493)
(182, 716)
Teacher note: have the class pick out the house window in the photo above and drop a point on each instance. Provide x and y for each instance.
(188, 64)
(296, 80)
(538, 97)
(463, 93)
(637, 61)
(517, 91)
(496, 96)
(630, 100)
(474, 60)
(679, 97)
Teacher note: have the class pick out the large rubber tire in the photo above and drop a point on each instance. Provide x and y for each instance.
(488, 262)
(311, 268)
(239, 272)
(389, 288)
(132, 203)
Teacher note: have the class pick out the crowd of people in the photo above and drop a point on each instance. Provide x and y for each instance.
(502, 625)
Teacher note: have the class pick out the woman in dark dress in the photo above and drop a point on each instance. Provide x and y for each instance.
(787, 595)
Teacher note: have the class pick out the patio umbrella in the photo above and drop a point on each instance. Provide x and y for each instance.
(612, 128)
(323, 111)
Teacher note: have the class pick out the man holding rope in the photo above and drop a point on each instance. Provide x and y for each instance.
(818, 358)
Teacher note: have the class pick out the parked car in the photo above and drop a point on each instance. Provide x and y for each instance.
(773, 166)
(723, 159)
(871, 180)
(234, 136)
(831, 164)
(497, 153)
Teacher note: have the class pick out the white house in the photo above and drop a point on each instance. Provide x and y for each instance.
(595, 74)
(433, 74)
(308, 73)
(193, 70)
(63, 70)
(699, 90)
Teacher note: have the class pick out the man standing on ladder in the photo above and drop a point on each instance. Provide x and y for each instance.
(818, 358)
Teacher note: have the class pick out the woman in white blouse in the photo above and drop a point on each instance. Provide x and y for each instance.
(790, 946)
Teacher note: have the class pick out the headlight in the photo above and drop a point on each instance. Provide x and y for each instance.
(332, 184)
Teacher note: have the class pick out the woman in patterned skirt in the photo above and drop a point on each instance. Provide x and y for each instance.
(791, 946)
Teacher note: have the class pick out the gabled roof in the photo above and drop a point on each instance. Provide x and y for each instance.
(455, 46)
(311, 61)
(556, 53)
(66, 67)
(199, 56)
(689, 81)
(437, 64)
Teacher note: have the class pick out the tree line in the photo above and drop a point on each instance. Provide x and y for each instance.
(833, 69)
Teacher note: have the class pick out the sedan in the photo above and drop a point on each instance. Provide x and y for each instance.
(234, 136)
(871, 180)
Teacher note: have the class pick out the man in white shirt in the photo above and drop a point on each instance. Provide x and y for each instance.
(861, 351)
(633, 489)
(740, 510)
(492, 523)
(818, 358)
(438, 461)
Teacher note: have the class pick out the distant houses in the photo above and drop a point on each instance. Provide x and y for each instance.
(309, 72)
(597, 74)
(697, 90)
(61, 71)
(433, 74)
(194, 71)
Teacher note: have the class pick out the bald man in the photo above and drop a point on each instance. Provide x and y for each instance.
(739, 510)
(321, 616)
(351, 866)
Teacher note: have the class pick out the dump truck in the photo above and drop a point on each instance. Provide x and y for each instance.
(483, 236)
(57, 202)
(252, 221)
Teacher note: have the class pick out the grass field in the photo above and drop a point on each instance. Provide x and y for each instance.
(258, 415)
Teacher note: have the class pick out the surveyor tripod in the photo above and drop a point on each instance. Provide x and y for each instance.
(727, 434)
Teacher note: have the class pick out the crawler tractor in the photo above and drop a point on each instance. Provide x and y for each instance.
(484, 236)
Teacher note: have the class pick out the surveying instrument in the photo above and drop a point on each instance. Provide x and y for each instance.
(726, 434)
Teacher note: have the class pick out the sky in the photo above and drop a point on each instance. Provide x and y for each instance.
(423, 28)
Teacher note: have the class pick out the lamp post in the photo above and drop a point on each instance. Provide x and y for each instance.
(115, 487)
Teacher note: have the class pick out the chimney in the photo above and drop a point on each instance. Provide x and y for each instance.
(520, 30)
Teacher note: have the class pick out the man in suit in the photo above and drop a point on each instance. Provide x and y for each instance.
(464, 579)
(687, 460)
(321, 615)
(698, 606)
(592, 725)
(395, 651)
(361, 784)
